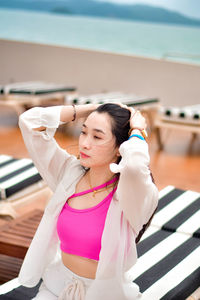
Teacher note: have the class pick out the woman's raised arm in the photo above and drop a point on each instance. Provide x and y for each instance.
(38, 126)
(136, 191)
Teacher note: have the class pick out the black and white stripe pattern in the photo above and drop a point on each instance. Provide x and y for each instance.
(15, 175)
(187, 114)
(12, 290)
(168, 266)
(178, 211)
(128, 99)
(35, 88)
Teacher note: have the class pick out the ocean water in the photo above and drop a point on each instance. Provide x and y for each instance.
(159, 41)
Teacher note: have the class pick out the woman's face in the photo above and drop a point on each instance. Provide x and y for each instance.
(96, 142)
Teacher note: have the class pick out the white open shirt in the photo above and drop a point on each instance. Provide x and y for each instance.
(132, 205)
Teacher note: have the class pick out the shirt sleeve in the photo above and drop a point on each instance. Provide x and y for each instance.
(136, 192)
(49, 158)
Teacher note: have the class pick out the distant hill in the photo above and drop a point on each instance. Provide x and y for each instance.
(137, 12)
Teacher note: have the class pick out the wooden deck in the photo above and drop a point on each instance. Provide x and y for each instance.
(9, 267)
(16, 235)
(15, 238)
(178, 164)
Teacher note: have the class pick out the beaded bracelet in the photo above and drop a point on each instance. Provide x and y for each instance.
(74, 115)
(137, 135)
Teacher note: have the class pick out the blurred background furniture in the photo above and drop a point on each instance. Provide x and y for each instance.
(178, 118)
(23, 95)
(20, 183)
(15, 175)
(147, 105)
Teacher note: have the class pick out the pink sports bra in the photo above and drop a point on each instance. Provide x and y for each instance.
(80, 230)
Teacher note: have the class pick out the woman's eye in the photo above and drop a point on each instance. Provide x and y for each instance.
(97, 137)
(83, 132)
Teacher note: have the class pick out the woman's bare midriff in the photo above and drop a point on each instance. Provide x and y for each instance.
(79, 265)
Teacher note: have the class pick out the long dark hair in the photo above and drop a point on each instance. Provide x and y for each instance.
(120, 127)
(119, 121)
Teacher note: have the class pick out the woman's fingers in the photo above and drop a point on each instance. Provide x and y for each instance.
(138, 121)
(132, 110)
(136, 118)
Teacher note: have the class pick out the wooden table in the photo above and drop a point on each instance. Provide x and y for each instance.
(16, 235)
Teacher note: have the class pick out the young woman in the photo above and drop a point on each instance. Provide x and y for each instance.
(86, 240)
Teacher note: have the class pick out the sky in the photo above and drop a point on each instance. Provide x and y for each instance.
(190, 8)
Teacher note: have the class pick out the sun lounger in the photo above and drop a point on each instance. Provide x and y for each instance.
(15, 175)
(128, 99)
(186, 119)
(148, 105)
(23, 95)
(168, 266)
(35, 88)
(19, 180)
(178, 211)
(13, 291)
(182, 115)
(169, 263)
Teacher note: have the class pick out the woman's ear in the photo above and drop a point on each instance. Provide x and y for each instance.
(118, 154)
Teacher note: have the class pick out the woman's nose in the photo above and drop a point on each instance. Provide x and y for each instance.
(86, 143)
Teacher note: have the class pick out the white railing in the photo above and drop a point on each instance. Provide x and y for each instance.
(180, 55)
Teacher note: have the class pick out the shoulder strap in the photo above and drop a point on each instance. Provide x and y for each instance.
(95, 188)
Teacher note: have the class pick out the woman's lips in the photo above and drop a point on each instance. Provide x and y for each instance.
(83, 155)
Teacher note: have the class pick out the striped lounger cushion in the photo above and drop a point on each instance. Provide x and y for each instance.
(16, 175)
(35, 88)
(184, 115)
(178, 211)
(169, 252)
(168, 265)
(128, 99)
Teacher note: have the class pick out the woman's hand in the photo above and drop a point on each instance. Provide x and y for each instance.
(137, 121)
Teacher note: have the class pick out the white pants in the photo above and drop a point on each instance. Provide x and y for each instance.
(60, 283)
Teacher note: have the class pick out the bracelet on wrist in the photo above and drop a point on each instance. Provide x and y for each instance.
(74, 115)
(142, 131)
(136, 135)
